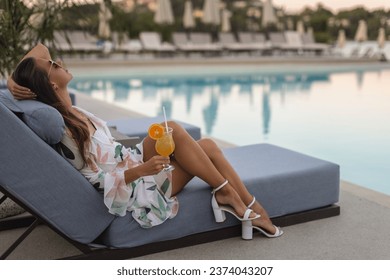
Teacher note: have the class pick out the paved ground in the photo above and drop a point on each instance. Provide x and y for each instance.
(361, 232)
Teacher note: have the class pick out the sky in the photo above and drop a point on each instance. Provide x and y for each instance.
(334, 5)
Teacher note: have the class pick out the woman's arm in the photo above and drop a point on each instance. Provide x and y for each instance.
(19, 92)
(39, 51)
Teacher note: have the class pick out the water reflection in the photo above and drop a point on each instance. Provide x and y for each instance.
(329, 114)
(148, 95)
(210, 113)
(266, 113)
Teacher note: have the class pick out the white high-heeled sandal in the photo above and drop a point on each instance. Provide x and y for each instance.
(278, 230)
(219, 214)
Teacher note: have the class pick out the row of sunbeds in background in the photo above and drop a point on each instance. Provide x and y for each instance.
(281, 43)
(368, 49)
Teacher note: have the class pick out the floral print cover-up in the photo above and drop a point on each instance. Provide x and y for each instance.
(148, 198)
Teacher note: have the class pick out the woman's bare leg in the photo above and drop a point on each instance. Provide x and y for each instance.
(191, 160)
(227, 171)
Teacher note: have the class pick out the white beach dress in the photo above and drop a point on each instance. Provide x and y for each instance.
(148, 198)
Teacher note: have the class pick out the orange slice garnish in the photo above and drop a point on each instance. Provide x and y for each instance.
(155, 131)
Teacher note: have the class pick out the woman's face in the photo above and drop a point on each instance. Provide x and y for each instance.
(58, 76)
(56, 72)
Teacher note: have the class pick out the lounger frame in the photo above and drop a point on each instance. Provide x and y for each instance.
(87, 252)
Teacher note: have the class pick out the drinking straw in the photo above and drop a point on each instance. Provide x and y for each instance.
(165, 118)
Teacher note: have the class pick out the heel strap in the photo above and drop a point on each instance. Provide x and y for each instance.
(220, 187)
(253, 202)
(247, 213)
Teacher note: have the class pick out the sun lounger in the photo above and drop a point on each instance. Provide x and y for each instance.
(62, 42)
(384, 53)
(202, 42)
(310, 45)
(277, 40)
(293, 188)
(229, 42)
(122, 43)
(370, 49)
(293, 42)
(77, 41)
(350, 49)
(151, 41)
(182, 42)
(359, 50)
(255, 41)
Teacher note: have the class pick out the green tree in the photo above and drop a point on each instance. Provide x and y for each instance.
(23, 26)
(319, 22)
(13, 37)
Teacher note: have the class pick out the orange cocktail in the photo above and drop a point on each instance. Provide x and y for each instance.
(164, 141)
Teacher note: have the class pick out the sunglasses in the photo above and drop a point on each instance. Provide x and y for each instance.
(55, 65)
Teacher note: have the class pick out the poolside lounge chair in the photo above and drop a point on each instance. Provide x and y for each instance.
(366, 51)
(350, 49)
(202, 42)
(122, 43)
(62, 42)
(77, 41)
(182, 42)
(255, 41)
(384, 53)
(229, 43)
(310, 45)
(371, 50)
(151, 41)
(293, 42)
(277, 40)
(293, 188)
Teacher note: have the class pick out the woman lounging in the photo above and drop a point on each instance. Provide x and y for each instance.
(133, 179)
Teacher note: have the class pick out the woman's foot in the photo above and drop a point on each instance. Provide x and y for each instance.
(264, 223)
(278, 231)
(228, 196)
(232, 204)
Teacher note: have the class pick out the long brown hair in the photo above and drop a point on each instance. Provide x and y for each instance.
(27, 74)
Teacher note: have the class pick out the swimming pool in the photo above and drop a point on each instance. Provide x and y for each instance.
(339, 113)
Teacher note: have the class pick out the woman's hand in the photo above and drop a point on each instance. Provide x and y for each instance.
(19, 92)
(154, 165)
(151, 167)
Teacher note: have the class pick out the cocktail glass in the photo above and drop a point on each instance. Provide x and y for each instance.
(165, 147)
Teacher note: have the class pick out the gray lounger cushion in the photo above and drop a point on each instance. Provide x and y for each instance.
(43, 119)
(284, 181)
(139, 126)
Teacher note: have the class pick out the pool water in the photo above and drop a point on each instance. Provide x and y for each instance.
(339, 113)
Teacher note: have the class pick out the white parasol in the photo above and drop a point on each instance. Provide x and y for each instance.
(341, 38)
(211, 14)
(226, 15)
(104, 21)
(361, 32)
(268, 13)
(381, 38)
(188, 18)
(164, 12)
